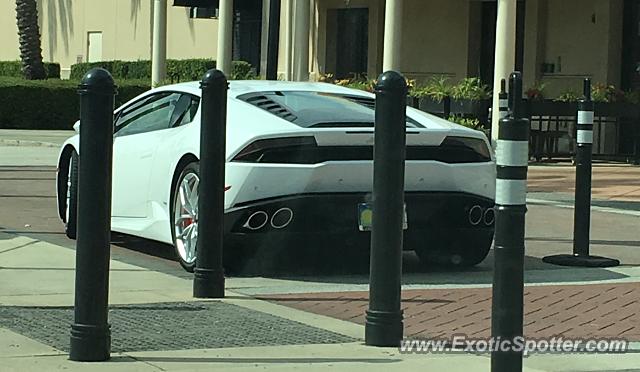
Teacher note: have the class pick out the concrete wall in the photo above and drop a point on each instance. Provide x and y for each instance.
(125, 25)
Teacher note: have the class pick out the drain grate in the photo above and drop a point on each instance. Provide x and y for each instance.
(171, 326)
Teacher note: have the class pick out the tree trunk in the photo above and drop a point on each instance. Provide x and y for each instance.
(29, 38)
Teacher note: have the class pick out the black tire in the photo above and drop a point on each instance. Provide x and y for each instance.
(71, 215)
(455, 249)
(192, 167)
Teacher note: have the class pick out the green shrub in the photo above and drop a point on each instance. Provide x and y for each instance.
(50, 104)
(436, 88)
(472, 123)
(177, 70)
(569, 96)
(14, 69)
(242, 70)
(606, 93)
(471, 88)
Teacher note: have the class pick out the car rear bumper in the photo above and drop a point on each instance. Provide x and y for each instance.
(337, 214)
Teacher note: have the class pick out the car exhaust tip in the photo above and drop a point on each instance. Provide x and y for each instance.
(256, 220)
(281, 218)
(475, 215)
(489, 216)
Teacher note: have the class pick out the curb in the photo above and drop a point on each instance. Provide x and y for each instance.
(26, 143)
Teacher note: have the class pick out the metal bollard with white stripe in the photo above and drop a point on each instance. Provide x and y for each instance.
(503, 100)
(511, 188)
(582, 210)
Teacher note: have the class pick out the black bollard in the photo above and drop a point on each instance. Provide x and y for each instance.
(511, 190)
(273, 40)
(90, 331)
(446, 107)
(582, 203)
(208, 280)
(384, 317)
(503, 100)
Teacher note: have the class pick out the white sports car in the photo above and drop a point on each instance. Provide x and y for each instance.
(299, 164)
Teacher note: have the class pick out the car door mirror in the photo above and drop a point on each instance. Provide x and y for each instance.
(76, 126)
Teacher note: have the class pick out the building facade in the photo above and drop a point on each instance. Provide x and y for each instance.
(559, 42)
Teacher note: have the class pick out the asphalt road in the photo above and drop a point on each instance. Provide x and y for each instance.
(28, 207)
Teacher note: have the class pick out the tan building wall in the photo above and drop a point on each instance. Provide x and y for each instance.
(440, 37)
(435, 38)
(583, 38)
(125, 25)
(8, 31)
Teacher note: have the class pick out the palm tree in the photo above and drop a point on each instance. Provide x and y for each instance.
(29, 39)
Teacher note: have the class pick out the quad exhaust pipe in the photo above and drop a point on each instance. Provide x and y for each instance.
(281, 218)
(489, 216)
(475, 215)
(478, 215)
(256, 220)
(259, 219)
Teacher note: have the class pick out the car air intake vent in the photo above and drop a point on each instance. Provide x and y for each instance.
(364, 101)
(270, 105)
(304, 150)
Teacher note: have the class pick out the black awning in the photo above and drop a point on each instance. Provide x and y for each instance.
(196, 3)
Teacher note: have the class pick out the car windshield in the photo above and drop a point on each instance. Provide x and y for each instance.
(318, 109)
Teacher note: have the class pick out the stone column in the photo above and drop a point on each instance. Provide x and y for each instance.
(392, 35)
(159, 57)
(225, 35)
(505, 56)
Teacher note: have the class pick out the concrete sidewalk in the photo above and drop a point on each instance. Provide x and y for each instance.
(26, 137)
(150, 311)
(20, 147)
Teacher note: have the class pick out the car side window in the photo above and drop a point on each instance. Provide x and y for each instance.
(185, 110)
(150, 114)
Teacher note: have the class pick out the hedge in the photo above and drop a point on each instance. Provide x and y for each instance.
(177, 70)
(50, 104)
(14, 69)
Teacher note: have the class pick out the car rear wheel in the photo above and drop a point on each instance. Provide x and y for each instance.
(71, 196)
(457, 249)
(184, 215)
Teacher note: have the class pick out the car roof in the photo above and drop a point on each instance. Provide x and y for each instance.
(238, 87)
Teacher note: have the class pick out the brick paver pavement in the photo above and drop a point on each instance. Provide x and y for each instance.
(612, 182)
(573, 311)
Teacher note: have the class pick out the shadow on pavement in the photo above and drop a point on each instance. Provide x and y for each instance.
(257, 360)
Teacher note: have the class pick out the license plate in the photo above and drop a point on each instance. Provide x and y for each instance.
(365, 217)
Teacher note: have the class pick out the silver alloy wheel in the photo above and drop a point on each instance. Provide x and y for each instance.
(186, 217)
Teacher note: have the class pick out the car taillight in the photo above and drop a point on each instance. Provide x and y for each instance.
(257, 150)
(475, 145)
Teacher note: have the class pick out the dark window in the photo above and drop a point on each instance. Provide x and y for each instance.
(347, 42)
(159, 111)
(317, 109)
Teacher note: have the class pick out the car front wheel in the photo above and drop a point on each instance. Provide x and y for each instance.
(184, 215)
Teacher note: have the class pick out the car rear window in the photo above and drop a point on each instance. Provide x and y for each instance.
(318, 109)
